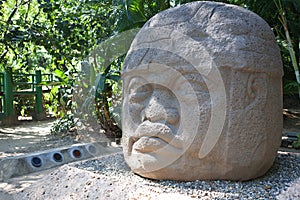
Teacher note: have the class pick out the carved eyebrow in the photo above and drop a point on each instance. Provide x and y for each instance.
(196, 80)
(135, 71)
(136, 80)
(195, 77)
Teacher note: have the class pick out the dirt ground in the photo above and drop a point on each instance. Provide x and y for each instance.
(30, 136)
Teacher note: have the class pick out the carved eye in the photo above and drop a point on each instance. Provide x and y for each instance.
(139, 90)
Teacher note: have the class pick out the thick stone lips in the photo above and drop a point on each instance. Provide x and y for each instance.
(153, 136)
(148, 144)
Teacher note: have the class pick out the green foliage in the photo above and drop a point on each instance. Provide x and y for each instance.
(283, 20)
(63, 125)
(290, 87)
(98, 90)
(296, 144)
(134, 13)
(56, 35)
(53, 35)
(24, 106)
(96, 96)
(272, 13)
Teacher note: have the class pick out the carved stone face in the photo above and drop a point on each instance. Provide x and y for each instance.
(159, 104)
(198, 106)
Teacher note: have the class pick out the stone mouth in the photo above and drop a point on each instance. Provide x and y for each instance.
(147, 144)
(150, 136)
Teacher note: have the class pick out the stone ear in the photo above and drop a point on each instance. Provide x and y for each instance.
(257, 90)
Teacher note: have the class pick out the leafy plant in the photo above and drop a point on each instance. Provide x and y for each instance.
(290, 87)
(134, 13)
(95, 97)
(24, 105)
(104, 95)
(296, 144)
(64, 125)
(283, 20)
(98, 90)
(56, 35)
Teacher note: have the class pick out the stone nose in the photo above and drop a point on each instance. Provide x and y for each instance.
(160, 109)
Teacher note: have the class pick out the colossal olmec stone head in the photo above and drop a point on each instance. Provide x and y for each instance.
(202, 95)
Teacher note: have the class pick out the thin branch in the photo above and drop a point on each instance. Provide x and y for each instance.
(35, 17)
(12, 49)
(15, 10)
(4, 53)
(28, 9)
(73, 66)
(95, 61)
(11, 15)
(25, 2)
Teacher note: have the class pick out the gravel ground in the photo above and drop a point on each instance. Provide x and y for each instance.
(293, 192)
(282, 181)
(109, 178)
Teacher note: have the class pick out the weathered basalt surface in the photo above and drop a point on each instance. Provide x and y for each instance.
(202, 95)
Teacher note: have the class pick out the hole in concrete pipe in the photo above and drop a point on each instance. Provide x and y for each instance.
(57, 157)
(36, 161)
(76, 153)
(91, 149)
